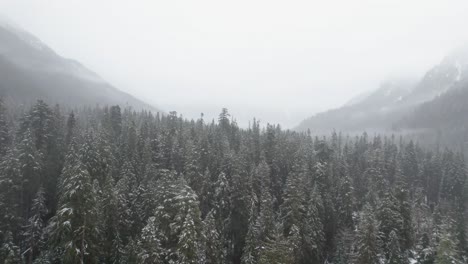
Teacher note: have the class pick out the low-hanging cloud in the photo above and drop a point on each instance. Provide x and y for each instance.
(278, 60)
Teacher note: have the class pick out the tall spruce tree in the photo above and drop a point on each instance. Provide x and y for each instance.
(34, 231)
(367, 244)
(73, 228)
(4, 129)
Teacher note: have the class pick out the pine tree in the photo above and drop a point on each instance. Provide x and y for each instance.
(409, 164)
(222, 205)
(33, 233)
(214, 251)
(191, 168)
(266, 217)
(447, 251)
(130, 204)
(131, 251)
(70, 130)
(278, 249)
(111, 245)
(388, 213)
(73, 228)
(402, 194)
(9, 252)
(427, 251)
(395, 256)
(30, 167)
(4, 130)
(367, 240)
(343, 251)
(252, 241)
(345, 202)
(179, 220)
(241, 199)
(460, 229)
(311, 232)
(190, 230)
(11, 195)
(150, 244)
(296, 241)
(293, 208)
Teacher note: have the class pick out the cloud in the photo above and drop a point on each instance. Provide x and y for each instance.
(261, 55)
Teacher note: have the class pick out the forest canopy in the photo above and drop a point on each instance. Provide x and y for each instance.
(112, 185)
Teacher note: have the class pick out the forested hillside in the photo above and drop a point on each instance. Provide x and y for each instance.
(30, 70)
(447, 115)
(376, 111)
(107, 185)
(392, 105)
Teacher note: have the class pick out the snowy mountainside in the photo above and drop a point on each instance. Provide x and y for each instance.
(30, 70)
(395, 102)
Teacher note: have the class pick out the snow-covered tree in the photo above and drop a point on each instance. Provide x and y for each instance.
(367, 244)
(149, 244)
(252, 241)
(214, 250)
(33, 231)
(73, 228)
(394, 255)
(9, 252)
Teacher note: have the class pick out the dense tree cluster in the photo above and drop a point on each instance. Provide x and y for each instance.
(107, 185)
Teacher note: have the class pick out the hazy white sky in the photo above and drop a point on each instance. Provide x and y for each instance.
(278, 60)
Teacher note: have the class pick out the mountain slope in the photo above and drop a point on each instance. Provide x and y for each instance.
(396, 103)
(448, 110)
(370, 112)
(29, 70)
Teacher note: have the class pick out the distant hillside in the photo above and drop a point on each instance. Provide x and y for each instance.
(373, 111)
(400, 104)
(29, 70)
(449, 110)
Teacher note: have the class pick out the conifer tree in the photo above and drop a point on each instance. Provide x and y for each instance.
(388, 213)
(30, 168)
(150, 244)
(73, 228)
(278, 249)
(394, 255)
(9, 252)
(214, 250)
(111, 243)
(250, 252)
(402, 194)
(190, 230)
(367, 239)
(343, 251)
(33, 233)
(4, 129)
(447, 250)
(70, 129)
(345, 202)
(129, 203)
(312, 232)
(266, 217)
(11, 195)
(293, 207)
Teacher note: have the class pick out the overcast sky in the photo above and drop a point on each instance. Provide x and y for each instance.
(281, 61)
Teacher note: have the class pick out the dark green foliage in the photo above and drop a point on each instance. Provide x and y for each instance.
(4, 129)
(74, 227)
(367, 244)
(141, 188)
